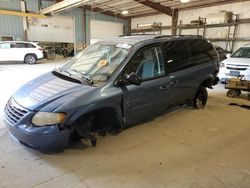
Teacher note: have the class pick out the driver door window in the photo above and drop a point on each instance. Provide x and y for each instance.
(147, 63)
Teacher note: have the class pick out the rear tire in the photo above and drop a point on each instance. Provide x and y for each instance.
(232, 93)
(30, 59)
(200, 99)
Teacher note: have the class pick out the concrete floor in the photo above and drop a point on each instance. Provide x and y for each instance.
(182, 149)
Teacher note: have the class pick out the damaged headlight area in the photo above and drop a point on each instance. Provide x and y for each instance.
(48, 118)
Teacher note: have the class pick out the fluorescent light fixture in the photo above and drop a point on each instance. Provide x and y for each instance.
(184, 1)
(144, 25)
(64, 5)
(124, 12)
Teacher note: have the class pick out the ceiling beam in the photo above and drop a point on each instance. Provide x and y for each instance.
(194, 7)
(102, 11)
(157, 6)
(23, 14)
(212, 4)
(145, 15)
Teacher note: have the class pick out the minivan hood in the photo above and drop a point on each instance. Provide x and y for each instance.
(238, 61)
(47, 88)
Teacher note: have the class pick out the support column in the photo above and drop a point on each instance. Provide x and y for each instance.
(25, 24)
(129, 27)
(174, 21)
(39, 4)
(84, 26)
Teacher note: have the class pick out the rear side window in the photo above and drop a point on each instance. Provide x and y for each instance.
(147, 63)
(5, 46)
(177, 55)
(22, 45)
(201, 52)
(16, 45)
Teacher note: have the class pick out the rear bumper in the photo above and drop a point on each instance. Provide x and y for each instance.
(40, 55)
(51, 142)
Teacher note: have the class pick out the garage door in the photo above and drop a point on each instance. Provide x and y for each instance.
(52, 29)
(103, 30)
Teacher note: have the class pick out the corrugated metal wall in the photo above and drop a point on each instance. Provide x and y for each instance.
(12, 25)
(32, 5)
(78, 15)
(10, 4)
(46, 3)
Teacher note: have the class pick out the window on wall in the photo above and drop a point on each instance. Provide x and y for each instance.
(147, 63)
(6, 38)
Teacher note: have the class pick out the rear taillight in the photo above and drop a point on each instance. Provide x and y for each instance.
(40, 49)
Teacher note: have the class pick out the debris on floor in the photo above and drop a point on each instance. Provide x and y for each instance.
(240, 105)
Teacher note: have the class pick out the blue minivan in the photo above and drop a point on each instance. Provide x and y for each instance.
(111, 85)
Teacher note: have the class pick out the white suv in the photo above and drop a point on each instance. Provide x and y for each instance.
(235, 65)
(27, 52)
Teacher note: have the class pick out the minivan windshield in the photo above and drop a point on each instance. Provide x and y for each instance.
(242, 53)
(98, 61)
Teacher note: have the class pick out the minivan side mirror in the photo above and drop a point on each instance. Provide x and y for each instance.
(133, 79)
(228, 56)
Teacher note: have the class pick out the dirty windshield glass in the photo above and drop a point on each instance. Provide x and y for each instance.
(99, 61)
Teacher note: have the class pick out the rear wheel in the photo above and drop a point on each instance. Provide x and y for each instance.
(200, 99)
(232, 93)
(248, 96)
(30, 59)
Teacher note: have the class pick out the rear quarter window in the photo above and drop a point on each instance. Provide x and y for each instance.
(27, 45)
(201, 52)
(176, 55)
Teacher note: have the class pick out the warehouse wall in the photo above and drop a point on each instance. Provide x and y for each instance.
(160, 18)
(97, 16)
(79, 30)
(242, 8)
(12, 25)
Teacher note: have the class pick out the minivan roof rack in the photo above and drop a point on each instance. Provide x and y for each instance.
(162, 36)
(137, 35)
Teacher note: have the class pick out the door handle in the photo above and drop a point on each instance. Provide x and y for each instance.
(164, 87)
(174, 82)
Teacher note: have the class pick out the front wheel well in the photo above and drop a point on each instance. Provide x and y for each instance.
(207, 83)
(100, 121)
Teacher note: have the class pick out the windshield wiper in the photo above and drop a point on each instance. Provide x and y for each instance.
(61, 74)
(84, 76)
(63, 70)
